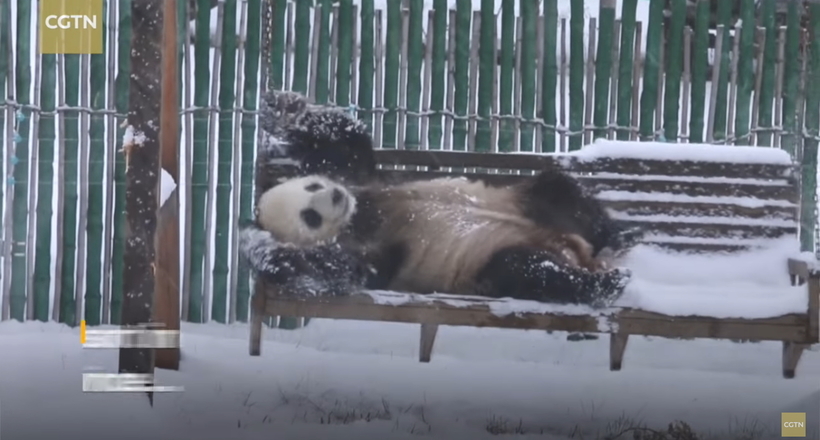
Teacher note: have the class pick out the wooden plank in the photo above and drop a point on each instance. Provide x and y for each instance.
(506, 74)
(643, 207)
(166, 281)
(712, 230)
(461, 70)
(784, 192)
(437, 310)
(715, 88)
(607, 165)
(745, 72)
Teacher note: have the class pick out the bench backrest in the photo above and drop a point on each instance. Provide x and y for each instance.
(709, 203)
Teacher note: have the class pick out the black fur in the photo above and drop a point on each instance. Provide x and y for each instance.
(554, 199)
(327, 141)
(525, 273)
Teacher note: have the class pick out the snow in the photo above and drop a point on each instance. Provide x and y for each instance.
(683, 152)
(167, 186)
(478, 380)
(750, 284)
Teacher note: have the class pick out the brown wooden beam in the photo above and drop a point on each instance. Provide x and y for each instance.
(166, 287)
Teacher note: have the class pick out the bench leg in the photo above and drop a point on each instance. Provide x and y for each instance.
(428, 337)
(617, 347)
(257, 316)
(791, 356)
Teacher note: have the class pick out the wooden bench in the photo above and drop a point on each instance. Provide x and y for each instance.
(697, 205)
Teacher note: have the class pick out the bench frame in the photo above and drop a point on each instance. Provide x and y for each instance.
(795, 331)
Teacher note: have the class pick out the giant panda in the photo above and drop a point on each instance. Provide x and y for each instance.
(542, 239)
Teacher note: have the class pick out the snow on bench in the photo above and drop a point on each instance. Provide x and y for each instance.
(720, 259)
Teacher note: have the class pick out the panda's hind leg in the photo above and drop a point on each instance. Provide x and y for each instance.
(524, 273)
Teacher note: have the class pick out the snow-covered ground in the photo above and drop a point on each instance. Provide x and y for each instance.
(351, 380)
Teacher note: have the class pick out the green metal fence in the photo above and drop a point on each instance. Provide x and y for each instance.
(484, 75)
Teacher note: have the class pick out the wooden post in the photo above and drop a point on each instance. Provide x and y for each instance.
(141, 149)
(166, 283)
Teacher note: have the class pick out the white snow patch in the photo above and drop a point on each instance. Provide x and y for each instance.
(167, 186)
(751, 284)
(132, 136)
(476, 377)
(682, 152)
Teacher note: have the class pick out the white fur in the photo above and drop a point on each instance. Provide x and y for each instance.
(279, 210)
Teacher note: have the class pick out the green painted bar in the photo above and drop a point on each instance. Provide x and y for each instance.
(17, 299)
(791, 81)
(764, 116)
(624, 119)
(277, 43)
(437, 74)
(345, 57)
(246, 168)
(654, 39)
(576, 73)
(68, 291)
(391, 73)
(366, 63)
(45, 188)
(199, 162)
(808, 207)
(506, 131)
(549, 76)
(745, 73)
(96, 185)
(486, 74)
(5, 44)
(121, 104)
(224, 168)
(461, 74)
(674, 70)
(415, 58)
(301, 43)
(700, 60)
(323, 58)
(529, 42)
(603, 66)
(724, 16)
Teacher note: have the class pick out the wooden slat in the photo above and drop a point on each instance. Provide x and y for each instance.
(693, 188)
(630, 207)
(596, 184)
(480, 314)
(700, 248)
(572, 163)
(713, 230)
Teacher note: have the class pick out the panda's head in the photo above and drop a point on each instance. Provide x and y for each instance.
(305, 210)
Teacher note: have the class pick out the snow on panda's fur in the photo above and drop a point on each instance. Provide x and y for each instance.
(540, 239)
(302, 218)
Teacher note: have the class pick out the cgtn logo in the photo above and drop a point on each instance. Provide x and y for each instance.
(71, 26)
(71, 21)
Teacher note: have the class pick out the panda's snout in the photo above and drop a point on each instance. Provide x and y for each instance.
(337, 196)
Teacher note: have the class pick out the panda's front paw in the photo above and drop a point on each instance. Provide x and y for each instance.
(610, 287)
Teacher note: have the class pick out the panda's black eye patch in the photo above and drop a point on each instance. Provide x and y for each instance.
(311, 218)
(313, 187)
